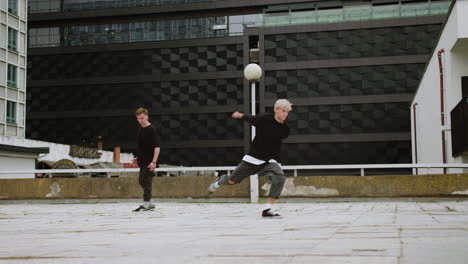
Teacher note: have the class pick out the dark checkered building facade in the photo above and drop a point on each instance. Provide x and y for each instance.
(351, 84)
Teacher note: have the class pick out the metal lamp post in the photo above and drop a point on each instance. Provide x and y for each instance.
(253, 72)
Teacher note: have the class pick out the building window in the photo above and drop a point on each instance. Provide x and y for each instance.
(38, 6)
(11, 112)
(11, 76)
(13, 7)
(12, 39)
(44, 37)
(77, 35)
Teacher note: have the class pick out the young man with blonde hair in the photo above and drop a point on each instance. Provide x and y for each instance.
(264, 155)
(146, 156)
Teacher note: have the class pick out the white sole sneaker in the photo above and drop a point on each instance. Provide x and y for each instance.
(212, 188)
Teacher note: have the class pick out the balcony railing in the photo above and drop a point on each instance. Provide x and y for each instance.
(356, 13)
(228, 169)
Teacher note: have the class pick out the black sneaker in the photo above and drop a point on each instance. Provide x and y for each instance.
(143, 208)
(269, 213)
(140, 208)
(150, 208)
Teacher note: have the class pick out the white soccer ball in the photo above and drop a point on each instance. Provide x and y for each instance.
(252, 72)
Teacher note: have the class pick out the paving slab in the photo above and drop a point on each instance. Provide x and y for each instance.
(367, 231)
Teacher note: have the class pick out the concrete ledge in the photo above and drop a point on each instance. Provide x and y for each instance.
(373, 186)
(123, 187)
(194, 187)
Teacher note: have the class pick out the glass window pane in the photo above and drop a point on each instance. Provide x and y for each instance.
(11, 112)
(12, 39)
(13, 7)
(236, 29)
(250, 19)
(11, 76)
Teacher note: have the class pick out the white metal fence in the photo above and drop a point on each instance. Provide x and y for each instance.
(294, 168)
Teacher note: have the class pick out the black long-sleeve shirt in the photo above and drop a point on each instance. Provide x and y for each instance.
(269, 136)
(148, 140)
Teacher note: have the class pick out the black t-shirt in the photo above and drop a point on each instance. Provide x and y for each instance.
(148, 140)
(269, 136)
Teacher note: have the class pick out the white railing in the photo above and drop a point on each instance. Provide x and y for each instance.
(294, 168)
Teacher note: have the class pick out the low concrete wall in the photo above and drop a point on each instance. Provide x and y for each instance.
(373, 186)
(124, 187)
(195, 187)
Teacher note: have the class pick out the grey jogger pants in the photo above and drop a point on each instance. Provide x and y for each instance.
(271, 171)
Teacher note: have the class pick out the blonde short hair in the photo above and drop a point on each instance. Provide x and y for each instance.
(140, 111)
(283, 104)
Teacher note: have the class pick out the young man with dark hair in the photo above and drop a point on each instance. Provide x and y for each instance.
(146, 156)
(264, 155)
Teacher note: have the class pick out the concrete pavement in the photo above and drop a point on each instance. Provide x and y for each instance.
(389, 231)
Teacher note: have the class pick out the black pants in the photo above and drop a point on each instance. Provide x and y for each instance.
(146, 182)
